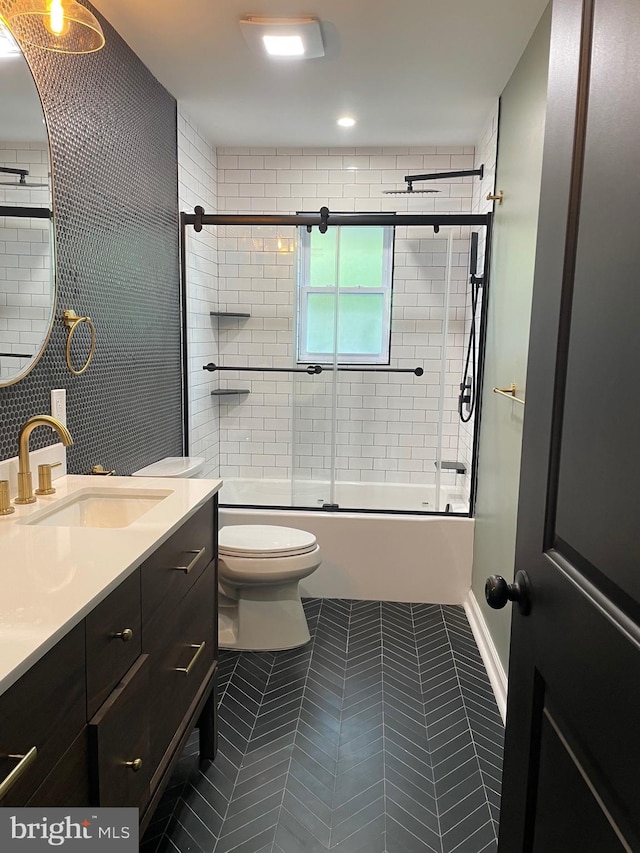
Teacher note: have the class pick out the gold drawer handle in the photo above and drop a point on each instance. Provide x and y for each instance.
(134, 765)
(24, 762)
(187, 569)
(187, 669)
(125, 635)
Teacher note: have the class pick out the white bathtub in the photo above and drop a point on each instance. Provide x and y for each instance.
(373, 556)
(409, 497)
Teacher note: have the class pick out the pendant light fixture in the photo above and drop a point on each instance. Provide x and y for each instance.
(63, 26)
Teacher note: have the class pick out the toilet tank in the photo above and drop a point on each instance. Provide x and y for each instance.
(173, 466)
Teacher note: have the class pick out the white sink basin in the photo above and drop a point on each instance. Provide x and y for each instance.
(99, 508)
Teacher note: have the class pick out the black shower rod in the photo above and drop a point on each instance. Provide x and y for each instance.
(312, 369)
(325, 218)
(25, 212)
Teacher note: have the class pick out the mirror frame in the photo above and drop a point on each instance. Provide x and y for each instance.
(5, 383)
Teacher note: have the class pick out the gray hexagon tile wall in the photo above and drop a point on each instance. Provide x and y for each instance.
(112, 128)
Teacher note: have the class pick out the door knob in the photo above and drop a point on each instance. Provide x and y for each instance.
(497, 592)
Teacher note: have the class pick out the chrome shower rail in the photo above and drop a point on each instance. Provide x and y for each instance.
(312, 369)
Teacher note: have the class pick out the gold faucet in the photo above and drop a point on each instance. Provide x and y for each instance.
(25, 488)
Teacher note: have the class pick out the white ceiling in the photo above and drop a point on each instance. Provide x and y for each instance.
(413, 72)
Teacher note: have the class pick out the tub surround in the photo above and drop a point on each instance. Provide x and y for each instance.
(51, 577)
(381, 557)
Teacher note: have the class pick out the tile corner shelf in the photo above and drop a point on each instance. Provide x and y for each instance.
(228, 314)
(223, 392)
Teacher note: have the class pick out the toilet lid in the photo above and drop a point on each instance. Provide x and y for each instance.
(264, 540)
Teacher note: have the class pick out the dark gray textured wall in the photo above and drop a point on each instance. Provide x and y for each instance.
(112, 130)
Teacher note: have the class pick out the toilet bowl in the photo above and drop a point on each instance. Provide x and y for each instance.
(259, 568)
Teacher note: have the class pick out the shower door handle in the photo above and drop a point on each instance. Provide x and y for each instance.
(498, 592)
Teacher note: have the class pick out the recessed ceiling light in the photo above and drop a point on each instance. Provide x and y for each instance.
(346, 121)
(297, 38)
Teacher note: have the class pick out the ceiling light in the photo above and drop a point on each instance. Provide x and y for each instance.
(346, 121)
(283, 45)
(297, 38)
(63, 26)
(8, 45)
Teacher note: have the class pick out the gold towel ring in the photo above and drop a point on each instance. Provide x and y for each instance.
(72, 321)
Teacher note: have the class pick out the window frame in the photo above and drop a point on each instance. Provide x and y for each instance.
(303, 290)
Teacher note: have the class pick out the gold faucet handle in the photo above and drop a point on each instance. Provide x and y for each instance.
(5, 499)
(101, 471)
(44, 479)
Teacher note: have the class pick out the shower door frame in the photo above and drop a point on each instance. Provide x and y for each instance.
(324, 218)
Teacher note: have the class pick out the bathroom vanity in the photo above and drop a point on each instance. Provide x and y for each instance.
(108, 640)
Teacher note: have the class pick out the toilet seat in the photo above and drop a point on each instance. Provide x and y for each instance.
(261, 541)
(247, 571)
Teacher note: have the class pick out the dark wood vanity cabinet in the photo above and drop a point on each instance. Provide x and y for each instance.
(113, 703)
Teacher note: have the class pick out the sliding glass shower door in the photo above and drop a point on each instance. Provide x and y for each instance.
(337, 364)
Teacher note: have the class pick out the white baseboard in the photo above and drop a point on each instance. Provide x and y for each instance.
(488, 652)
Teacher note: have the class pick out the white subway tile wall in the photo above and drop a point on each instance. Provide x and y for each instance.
(197, 185)
(387, 425)
(26, 295)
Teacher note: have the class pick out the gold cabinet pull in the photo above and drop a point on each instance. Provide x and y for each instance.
(187, 569)
(125, 635)
(24, 762)
(134, 765)
(187, 669)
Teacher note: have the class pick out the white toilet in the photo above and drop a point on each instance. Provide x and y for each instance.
(259, 568)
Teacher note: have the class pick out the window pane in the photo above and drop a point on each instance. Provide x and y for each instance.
(361, 255)
(360, 323)
(322, 259)
(320, 322)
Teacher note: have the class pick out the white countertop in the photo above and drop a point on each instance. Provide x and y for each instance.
(52, 576)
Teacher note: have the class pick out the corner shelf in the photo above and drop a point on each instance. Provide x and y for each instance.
(223, 392)
(228, 314)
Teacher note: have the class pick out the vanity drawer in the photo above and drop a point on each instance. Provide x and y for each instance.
(119, 755)
(114, 640)
(68, 782)
(181, 654)
(45, 709)
(177, 564)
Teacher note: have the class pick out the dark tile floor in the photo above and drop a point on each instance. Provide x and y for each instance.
(381, 735)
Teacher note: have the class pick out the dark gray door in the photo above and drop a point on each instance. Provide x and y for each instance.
(572, 762)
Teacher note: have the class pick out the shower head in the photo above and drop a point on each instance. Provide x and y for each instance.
(434, 176)
(409, 191)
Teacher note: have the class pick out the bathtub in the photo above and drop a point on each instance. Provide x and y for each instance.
(377, 556)
(407, 497)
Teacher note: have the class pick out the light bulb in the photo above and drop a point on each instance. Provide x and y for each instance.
(56, 22)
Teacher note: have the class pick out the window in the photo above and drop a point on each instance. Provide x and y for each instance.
(354, 264)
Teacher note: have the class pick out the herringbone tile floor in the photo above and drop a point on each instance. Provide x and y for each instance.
(381, 735)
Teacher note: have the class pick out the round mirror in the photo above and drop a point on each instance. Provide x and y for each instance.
(27, 271)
